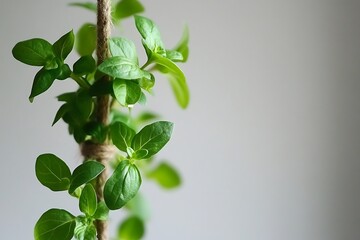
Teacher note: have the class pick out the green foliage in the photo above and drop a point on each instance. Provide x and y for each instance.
(52, 172)
(84, 173)
(131, 229)
(129, 82)
(55, 224)
(122, 186)
(152, 138)
(165, 175)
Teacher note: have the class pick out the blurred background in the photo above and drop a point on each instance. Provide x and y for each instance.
(268, 148)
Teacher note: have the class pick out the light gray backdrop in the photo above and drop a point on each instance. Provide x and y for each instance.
(269, 146)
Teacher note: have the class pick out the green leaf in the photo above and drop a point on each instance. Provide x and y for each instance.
(151, 35)
(84, 173)
(85, 65)
(52, 172)
(122, 47)
(127, 8)
(102, 212)
(183, 46)
(88, 201)
(166, 176)
(174, 56)
(84, 104)
(55, 224)
(42, 82)
(147, 83)
(35, 52)
(139, 206)
(64, 45)
(121, 135)
(176, 77)
(87, 5)
(97, 130)
(131, 228)
(122, 186)
(126, 92)
(123, 68)
(152, 138)
(63, 72)
(86, 39)
(84, 229)
(60, 113)
(146, 116)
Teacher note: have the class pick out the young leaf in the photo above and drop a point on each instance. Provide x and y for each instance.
(60, 113)
(176, 77)
(64, 45)
(165, 175)
(86, 39)
(126, 92)
(174, 56)
(151, 35)
(52, 172)
(127, 8)
(122, 47)
(42, 82)
(182, 46)
(131, 228)
(84, 173)
(35, 52)
(85, 65)
(147, 83)
(152, 138)
(55, 224)
(146, 116)
(139, 206)
(102, 212)
(87, 5)
(88, 201)
(121, 135)
(123, 68)
(84, 229)
(122, 186)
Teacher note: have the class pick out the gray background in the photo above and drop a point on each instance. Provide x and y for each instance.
(268, 148)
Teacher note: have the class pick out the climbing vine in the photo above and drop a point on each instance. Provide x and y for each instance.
(119, 149)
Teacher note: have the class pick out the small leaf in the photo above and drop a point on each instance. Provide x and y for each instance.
(64, 45)
(87, 5)
(152, 138)
(85, 65)
(55, 224)
(102, 212)
(127, 8)
(182, 47)
(84, 173)
(84, 229)
(121, 135)
(35, 52)
(52, 172)
(86, 39)
(166, 176)
(139, 206)
(177, 79)
(42, 82)
(123, 68)
(146, 116)
(122, 47)
(122, 186)
(88, 201)
(147, 83)
(84, 104)
(126, 92)
(131, 228)
(60, 113)
(174, 56)
(151, 35)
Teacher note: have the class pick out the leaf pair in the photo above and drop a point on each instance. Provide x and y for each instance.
(39, 52)
(53, 173)
(149, 141)
(164, 59)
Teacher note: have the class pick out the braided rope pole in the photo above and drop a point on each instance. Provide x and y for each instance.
(102, 110)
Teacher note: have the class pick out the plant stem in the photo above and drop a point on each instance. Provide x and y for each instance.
(102, 111)
(82, 82)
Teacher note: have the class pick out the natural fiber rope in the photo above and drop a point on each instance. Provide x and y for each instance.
(101, 152)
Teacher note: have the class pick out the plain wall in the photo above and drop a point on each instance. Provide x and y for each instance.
(268, 148)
